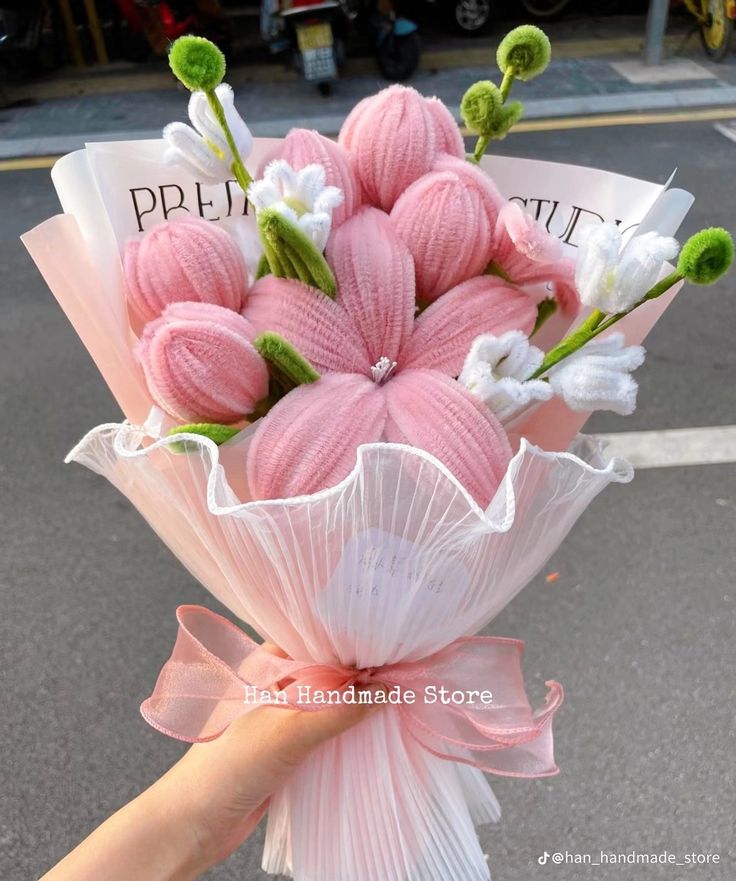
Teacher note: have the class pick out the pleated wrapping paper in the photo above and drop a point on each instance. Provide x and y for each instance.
(394, 565)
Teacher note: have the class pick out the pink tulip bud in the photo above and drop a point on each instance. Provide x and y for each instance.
(394, 138)
(302, 147)
(447, 219)
(200, 363)
(188, 259)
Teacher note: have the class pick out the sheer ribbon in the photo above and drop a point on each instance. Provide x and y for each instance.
(217, 673)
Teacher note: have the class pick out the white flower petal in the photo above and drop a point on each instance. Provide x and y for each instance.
(598, 376)
(282, 175)
(263, 194)
(310, 181)
(238, 128)
(317, 228)
(329, 198)
(187, 146)
(615, 280)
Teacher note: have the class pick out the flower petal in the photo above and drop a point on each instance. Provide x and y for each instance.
(187, 148)
(393, 140)
(444, 332)
(429, 410)
(311, 321)
(309, 439)
(302, 147)
(375, 279)
(449, 138)
(447, 219)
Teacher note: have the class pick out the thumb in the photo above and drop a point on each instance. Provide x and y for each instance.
(313, 727)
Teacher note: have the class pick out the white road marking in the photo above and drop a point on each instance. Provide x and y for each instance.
(674, 447)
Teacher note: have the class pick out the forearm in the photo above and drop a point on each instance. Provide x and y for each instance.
(147, 840)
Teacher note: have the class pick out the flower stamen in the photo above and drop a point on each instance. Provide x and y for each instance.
(382, 370)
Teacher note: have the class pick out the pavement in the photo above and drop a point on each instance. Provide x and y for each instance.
(596, 69)
(635, 614)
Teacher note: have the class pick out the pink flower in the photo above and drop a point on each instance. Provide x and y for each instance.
(200, 365)
(385, 375)
(302, 147)
(394, 138)
(188, 259)
(447, 220)
(526, 254)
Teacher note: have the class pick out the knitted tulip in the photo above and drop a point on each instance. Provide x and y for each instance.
(385, 375)
(394, 138)
(187, 259)
(524, 253)
(302, 147)
(200, 364)
(447, 219)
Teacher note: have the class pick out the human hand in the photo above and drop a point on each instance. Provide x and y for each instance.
(210, 801)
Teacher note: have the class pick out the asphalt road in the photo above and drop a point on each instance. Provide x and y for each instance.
(639, 626)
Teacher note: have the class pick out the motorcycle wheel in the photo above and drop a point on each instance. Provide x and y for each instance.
(398, 57)
(717, 32)
(545, 10)
(472, 17)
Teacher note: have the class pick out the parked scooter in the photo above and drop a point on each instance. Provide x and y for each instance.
(316, 32)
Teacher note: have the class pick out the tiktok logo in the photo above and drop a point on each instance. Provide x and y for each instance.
(543, 859)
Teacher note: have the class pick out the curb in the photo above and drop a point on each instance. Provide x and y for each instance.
(329, 124)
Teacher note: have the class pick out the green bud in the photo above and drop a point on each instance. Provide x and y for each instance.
(706, 256)
(288, 368)
(197, 63)
(291, 254)
(524, 52)
(213, 430)
(480, 105)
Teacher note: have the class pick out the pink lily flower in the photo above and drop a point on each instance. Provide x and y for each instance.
(524, 253)
(394, 138)
(302, 147)
(386, 376)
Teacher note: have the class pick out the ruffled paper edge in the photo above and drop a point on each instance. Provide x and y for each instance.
(616, 469)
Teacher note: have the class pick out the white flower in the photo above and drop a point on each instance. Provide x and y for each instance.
(497, 371)
(597, 376)
(203, 149)
(300, 196)
(613, 280)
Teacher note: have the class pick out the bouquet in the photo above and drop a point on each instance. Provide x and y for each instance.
(353, 376)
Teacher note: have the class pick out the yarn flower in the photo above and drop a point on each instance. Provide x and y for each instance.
(394, 138)
(202, 148)
(302, 147)
(384, 375)
(614, 278)
(525, 254)
(497, 371)
(200, 364)
(598, 376)
(187, 259)
(302, 197)
(447, 220)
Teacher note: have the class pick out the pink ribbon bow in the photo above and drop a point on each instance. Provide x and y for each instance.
(216, 673)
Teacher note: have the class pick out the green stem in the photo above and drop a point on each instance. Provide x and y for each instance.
(506, 83)
(597, 322)
(576, 340)
(481, 145)
(238, 169)
(660, 288)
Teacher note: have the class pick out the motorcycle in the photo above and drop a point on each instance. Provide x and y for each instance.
(316, 32)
